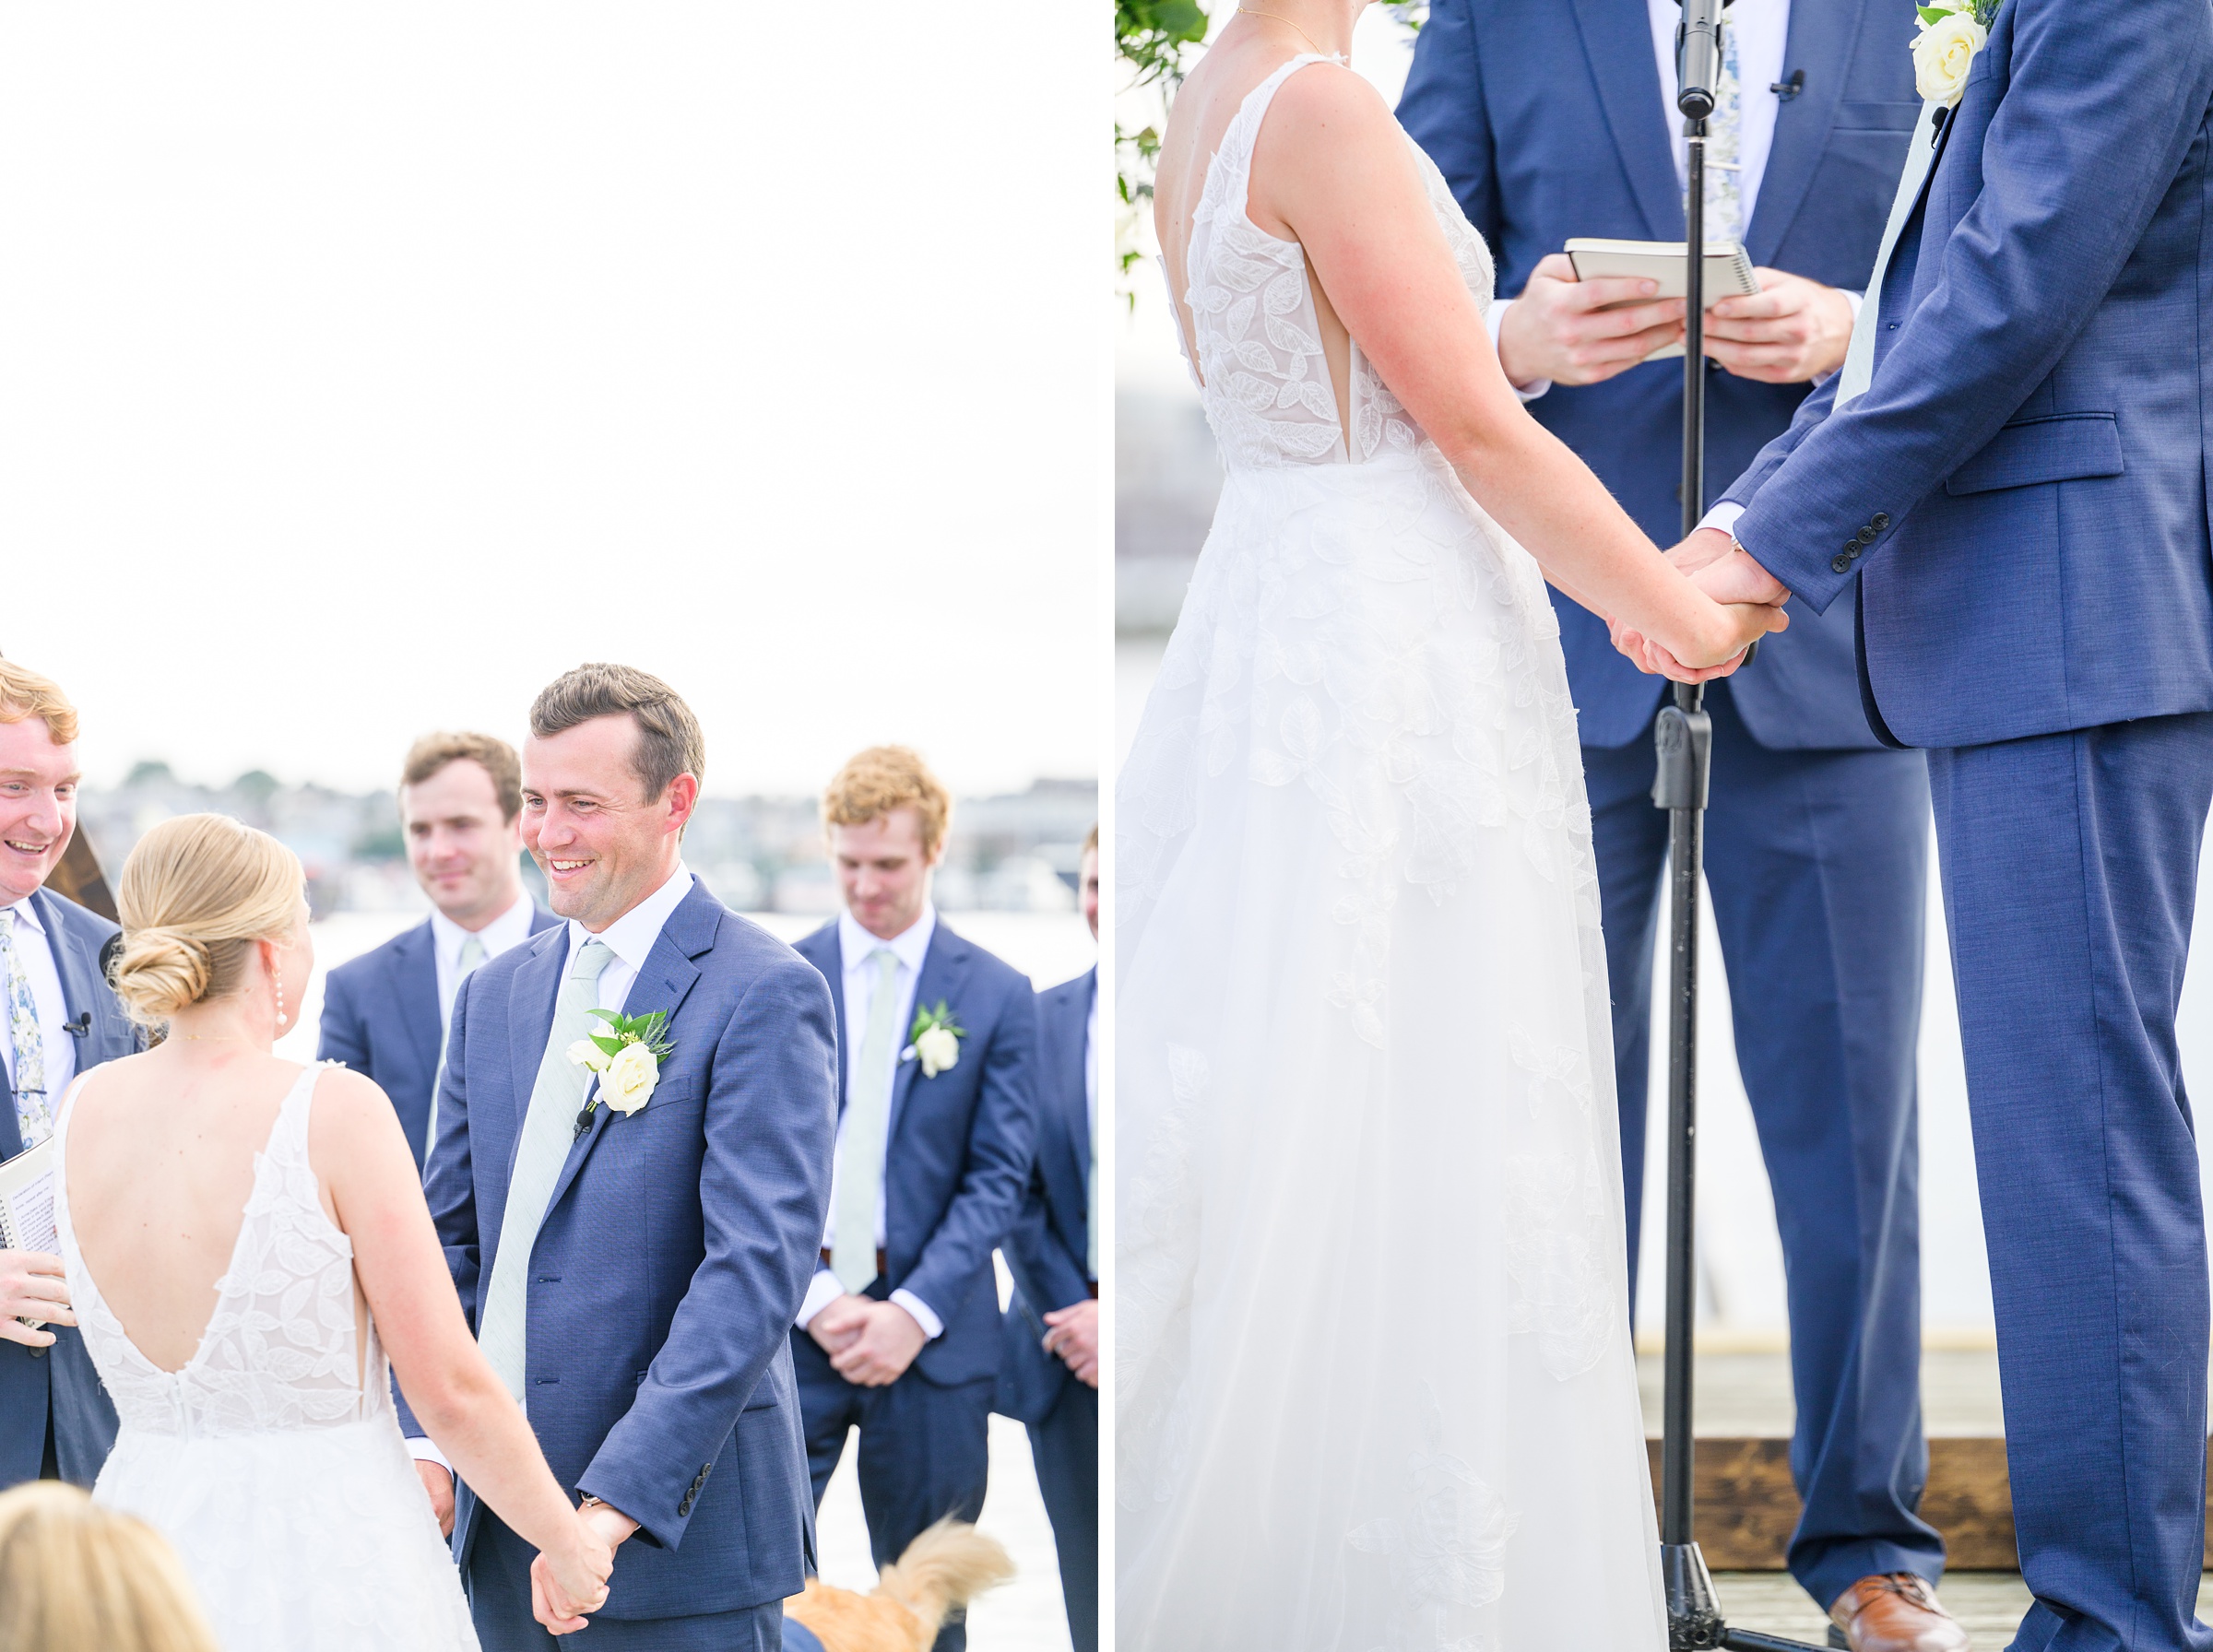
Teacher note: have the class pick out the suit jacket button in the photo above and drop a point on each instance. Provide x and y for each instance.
(1838, 564)
(684, 1509)
(1880, 520)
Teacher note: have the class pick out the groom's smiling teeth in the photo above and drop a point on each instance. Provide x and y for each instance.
(566, 865)
(36, 851)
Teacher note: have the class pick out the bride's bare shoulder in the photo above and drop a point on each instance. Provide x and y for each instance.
(1323, 107)
(351, 1113)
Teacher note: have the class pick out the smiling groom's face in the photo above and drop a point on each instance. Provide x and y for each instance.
(603, 844)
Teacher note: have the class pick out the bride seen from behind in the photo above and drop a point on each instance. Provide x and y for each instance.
(1375, 1383)
(246, 1243)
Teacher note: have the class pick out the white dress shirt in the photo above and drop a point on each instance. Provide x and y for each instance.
(34, 947)
(854, 945)
(511, 928)
(1762, 28)
(631, 938)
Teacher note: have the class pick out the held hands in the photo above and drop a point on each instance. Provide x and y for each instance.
(565, 1586)
(1074, 1336)
(1745, 594)
(31, 1287)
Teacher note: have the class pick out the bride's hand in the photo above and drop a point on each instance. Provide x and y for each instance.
(568, 1583)
(1715, 646)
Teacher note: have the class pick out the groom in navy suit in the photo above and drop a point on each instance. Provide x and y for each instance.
(1048, 1373)
(1557, 120)
(2012, 469)
(384, 1012)
(56, 1422)
(632, 1261)
(937, 1046)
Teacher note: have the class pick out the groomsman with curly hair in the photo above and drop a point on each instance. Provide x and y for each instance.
(899, 1335)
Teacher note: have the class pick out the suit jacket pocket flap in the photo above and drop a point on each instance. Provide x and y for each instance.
(2060, 448)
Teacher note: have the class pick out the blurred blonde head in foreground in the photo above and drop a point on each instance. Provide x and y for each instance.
(78, 1577)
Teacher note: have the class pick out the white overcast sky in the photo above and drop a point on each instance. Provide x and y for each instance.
(363, 367)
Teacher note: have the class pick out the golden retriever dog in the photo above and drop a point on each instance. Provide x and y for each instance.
(942, 1571)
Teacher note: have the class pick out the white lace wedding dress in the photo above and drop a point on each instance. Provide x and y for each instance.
(1376, 1387)
(273, 1459)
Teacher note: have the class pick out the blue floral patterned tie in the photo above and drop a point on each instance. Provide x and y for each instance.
(33, 1118)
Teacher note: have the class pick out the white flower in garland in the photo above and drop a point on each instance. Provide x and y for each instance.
(1945, 49)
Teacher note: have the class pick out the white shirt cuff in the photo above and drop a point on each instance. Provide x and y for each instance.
(932, 1327)
(422, 1451)
(1723, 516)
(1530, 392)
(822, 1291)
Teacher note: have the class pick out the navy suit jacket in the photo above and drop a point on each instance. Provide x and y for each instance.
(959, 1149)
(2021, 493)
(1548, 122)
(380, 1018)
(1049, 1251)
(676, 1248)
(61, 1377)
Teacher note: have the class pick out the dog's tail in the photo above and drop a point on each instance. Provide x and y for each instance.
(942, 1570)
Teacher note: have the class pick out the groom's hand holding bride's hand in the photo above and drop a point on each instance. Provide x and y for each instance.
(1712, 561)
(31, 1287)
(567, 1586)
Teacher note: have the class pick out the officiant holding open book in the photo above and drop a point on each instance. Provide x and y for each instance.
(58, 1018)
(1558, 122)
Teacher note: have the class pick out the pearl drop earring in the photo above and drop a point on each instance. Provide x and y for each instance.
(279, 980)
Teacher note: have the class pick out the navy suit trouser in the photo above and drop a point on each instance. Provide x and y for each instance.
(1817, 862)
(1065, 1450)
(924, 1451)
(499, 1600)
(2070, 879)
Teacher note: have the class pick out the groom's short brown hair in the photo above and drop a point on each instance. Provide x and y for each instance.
(669, 742)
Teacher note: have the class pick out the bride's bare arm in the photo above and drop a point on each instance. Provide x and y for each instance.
(1333, 166)
(358, 1151)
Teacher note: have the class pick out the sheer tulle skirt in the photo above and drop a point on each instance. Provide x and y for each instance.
(1375, 1382)
(307, 1539)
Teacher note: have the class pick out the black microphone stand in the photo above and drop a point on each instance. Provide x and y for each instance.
(1684, 735)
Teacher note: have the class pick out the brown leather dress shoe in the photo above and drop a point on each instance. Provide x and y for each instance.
(1894, 1612)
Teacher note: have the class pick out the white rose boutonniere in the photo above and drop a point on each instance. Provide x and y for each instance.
(626, 1051)
(934, 1040)
(1945, 49)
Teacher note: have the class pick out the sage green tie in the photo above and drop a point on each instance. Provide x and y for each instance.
(549, 1130)
(860, 1170)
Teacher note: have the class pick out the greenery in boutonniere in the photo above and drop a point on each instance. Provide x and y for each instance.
(1945, 49)
(935, 1038)
(626, 1051)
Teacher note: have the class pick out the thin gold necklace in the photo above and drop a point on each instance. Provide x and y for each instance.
(1294, 28)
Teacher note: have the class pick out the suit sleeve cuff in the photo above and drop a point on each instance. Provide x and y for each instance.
(932, 1327)
(422, 1451)
(822, 1291)
(1535, 387)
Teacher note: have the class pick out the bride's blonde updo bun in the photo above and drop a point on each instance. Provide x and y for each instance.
(195, 896)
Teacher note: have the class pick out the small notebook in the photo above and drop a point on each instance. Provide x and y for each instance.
(27, 1205)
(1728, 270)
